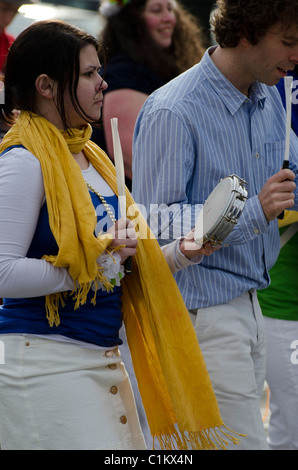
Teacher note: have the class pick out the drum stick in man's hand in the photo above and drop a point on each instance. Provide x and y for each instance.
(288, 81)
(118, 157)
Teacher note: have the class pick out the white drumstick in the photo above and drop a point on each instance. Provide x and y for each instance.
(119, 165)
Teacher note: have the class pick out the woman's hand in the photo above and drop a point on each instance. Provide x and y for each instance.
(123, 233)
(191, 249)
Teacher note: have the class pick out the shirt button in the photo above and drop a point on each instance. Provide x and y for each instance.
(109, 353)
(123, 419)
(257, 155)
(112, 366)
(114, 389)
(256, 231)
(27, 343)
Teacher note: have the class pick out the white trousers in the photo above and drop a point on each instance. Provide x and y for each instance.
(282, 378)
(60, 396)
(232, 340)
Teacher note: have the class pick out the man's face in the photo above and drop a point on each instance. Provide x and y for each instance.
(273, 56)
(7, 14)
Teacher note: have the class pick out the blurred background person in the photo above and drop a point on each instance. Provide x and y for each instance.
(279, 303)
(8, 10)
(147, 43)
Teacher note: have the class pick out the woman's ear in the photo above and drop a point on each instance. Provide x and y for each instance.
(45, 86)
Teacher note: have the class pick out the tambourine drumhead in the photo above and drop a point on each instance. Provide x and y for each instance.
(221, 211)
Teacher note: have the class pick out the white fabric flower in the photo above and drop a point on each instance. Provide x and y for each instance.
(113, 270)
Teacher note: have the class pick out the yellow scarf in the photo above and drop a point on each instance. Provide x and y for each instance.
(174, 384)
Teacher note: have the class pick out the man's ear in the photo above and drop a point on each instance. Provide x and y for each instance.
(45, 86)
(245, 42)
(244, 38)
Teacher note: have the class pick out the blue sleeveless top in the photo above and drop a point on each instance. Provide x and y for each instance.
(98, 324)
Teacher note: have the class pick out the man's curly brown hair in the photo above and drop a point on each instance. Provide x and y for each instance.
(235, 19)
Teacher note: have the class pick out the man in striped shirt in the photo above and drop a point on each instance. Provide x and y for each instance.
(224, 116)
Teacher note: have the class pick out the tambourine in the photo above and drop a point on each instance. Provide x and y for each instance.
(221, 211)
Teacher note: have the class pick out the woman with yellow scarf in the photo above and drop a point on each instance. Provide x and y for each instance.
(63, 384)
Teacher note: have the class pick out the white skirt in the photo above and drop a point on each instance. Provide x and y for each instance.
(60, 396)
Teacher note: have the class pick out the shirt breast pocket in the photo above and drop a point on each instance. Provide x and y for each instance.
(274, 156)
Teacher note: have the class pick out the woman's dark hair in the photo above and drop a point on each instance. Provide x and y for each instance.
(49, 47)
(126, 32)
(234, 19)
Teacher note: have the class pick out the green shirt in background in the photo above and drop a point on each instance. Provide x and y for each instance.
(280, 299)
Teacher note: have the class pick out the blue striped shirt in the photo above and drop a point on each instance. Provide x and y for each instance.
(191, 133)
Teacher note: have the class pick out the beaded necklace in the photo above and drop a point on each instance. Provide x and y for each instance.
(128, 262)
(103, 201)
(109, 261)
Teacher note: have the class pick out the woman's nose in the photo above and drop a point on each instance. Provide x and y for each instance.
(102, 84)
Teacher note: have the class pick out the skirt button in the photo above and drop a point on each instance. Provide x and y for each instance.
(123, 419)
(114, 389)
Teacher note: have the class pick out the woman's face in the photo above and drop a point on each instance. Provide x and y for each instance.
(160, 19)
(89, 89)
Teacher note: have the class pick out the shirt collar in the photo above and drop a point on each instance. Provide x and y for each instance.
(231, 97)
